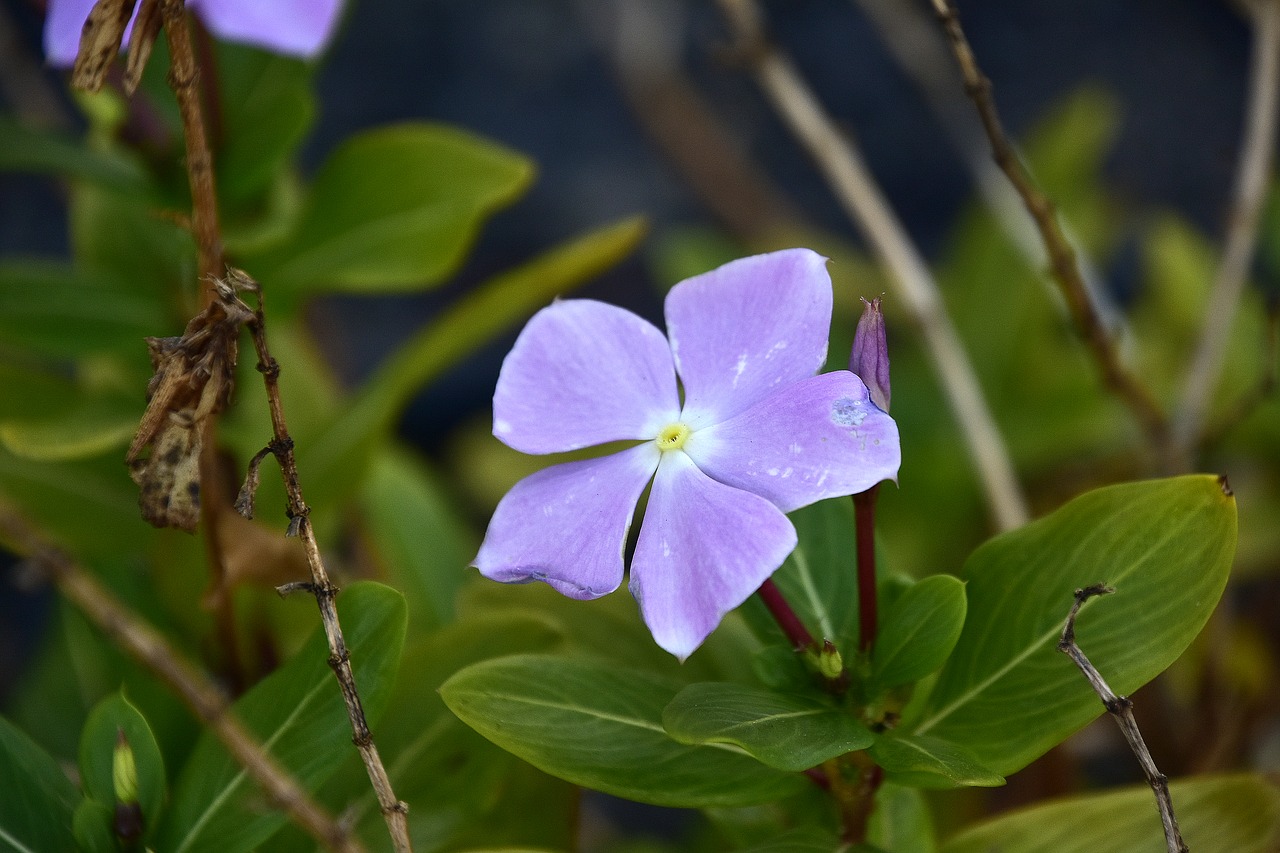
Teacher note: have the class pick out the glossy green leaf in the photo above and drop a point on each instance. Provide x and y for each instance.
(394, 209)
(1006, 692)
(51, 308)
(97, 750)
(337, 456)
(930, 762)
(784, 731)
(918, 631)
(25, 149)
(38, 801)
(1216, 814)
(417, 535)
(600, 726)
(299, 715)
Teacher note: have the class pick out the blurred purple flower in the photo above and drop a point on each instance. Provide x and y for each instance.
(296, 27)
(758, 435)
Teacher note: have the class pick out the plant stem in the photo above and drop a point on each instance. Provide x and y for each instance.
(788, 621)
(394, 811)
(864, 516)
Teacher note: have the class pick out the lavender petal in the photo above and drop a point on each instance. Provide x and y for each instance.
(703, 549)
(583, 373)
(299, 28)
(743, 330)
(816, 439)
(566, 525)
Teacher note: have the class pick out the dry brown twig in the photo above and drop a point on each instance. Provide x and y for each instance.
(1253, 175)
(1063, 264)
(851, 180)
(394, 811)
(146, 645)
(1121, 709)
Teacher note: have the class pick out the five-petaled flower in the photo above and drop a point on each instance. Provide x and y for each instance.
(294, 27)
(756, 436)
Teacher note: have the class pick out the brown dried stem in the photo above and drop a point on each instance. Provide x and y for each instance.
(1063, 264)
(842, 164)
(1121, 708)
(184, 80)
(1257, 154)
(393, 810)
(146, 645)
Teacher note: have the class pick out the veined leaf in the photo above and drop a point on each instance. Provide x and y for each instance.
(600, 726)
(1006, 692)
(784, 731)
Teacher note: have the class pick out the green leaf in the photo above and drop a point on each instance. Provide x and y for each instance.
(93, 426)
(25, 149)
(337, 456)
(394, 209)
(930, 762)
(93, 825)
(818, 579)
(38, 801)
(51, 308)
(600, 726)
(1216, 814)
(299, 715)
(806, 840)
(784, 731)
(1006, 692)
(919, 631)
(122, 238)
(267, 107)
(417, 535)
(901, 820)
(97, 750)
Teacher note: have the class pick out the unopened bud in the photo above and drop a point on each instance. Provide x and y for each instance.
(124, 771)
(870, 356)
(830, 663)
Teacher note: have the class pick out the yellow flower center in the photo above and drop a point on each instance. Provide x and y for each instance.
(673, 436)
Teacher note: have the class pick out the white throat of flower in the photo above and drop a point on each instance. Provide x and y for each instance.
(673, 436)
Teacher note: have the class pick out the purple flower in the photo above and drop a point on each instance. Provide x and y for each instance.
(870, 355)
(295, 27)
(756, 436)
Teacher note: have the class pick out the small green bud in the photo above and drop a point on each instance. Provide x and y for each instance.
(830, 663)
(124, 771)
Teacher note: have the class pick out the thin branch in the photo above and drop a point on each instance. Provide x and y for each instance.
(394, 811)
(146, 645)
(911, 35)
(782, 613)
(1063, 264)
(842, 163)
(1121, 708)
(1257, 153)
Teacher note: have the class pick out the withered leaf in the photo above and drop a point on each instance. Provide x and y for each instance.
(192, 382)
(100, 42)
(145, 30)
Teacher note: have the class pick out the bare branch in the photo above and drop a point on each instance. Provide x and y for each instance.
(1063, 264)
(841, 162)
(1257, 153)
(393, 810)
(1121, 708)
(146, 645)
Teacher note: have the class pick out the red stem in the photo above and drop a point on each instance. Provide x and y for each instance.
(864, 513)
(786, 618)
